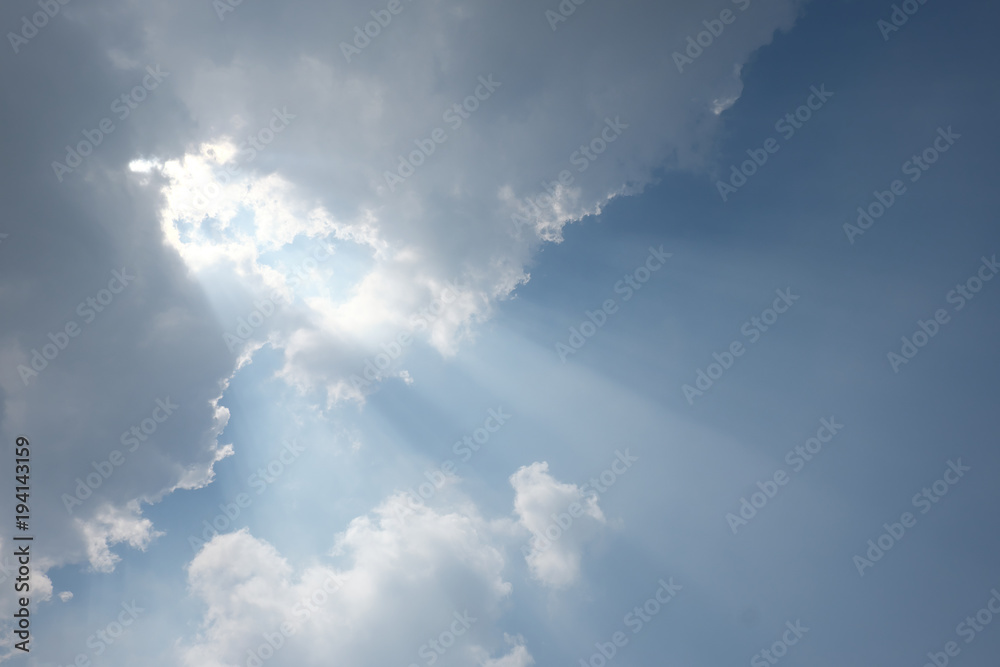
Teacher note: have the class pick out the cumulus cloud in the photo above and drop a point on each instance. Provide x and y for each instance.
(561, 518)
(111, 525)
(403, 584)
(395, 581)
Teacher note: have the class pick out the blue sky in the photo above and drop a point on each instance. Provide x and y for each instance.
(483, 305)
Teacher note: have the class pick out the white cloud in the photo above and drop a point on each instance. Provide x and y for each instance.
(111, 525)
(546, 508)
(400, 578)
